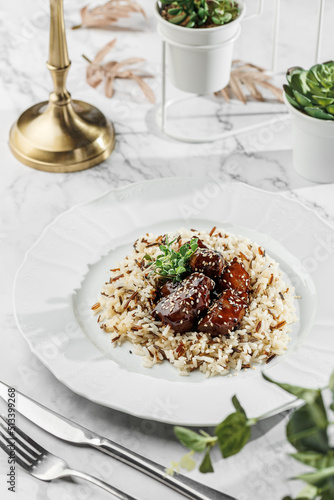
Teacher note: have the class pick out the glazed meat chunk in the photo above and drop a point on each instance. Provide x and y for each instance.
(181, 308)
(208, 262)
(167, 288)
(224, 315)
(234, 277)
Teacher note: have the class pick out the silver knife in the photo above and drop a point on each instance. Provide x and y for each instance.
(65, 429)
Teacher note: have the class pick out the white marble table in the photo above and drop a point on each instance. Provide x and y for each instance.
(30, 200)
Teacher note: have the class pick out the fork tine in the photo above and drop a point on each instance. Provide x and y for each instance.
(18, 452)
(3, 446)
(7, 436)
(18, 460)
(30, 442)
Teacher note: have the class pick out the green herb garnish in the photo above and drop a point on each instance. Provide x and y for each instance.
(172, 264)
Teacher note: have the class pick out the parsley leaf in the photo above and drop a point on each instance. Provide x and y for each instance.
(172, 264)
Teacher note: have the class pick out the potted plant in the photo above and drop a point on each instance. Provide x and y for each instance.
(309, 96)
(200, 35)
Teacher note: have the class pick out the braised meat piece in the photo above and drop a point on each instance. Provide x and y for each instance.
(180, 309)
(224, 315)
(234, 277)
(208, 262)
(167, 288)
(228, 310)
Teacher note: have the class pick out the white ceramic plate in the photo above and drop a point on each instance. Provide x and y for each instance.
(62, 275)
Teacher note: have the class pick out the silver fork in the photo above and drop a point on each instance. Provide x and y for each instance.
(42, 464)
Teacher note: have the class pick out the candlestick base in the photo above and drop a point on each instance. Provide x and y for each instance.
(59, 136)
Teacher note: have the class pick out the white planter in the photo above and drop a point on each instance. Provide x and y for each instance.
(313, 149)
(199, 60)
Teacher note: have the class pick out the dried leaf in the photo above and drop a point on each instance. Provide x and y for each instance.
(97, 72)
(109, 86)
(124, 74)
(104, 16)
(278, 93)
(236, 88)
(109, 65)
(224, 93)
(84, 14)
(94, 76)
(128, 62)
(104, 51)
(249, 76)
(253, 90)
(145, 88)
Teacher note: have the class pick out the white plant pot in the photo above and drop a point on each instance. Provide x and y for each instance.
(199, 60)
(313, 148)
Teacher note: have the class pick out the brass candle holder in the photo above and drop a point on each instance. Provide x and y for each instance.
(61, 135)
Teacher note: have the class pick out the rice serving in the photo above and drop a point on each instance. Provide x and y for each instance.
(127, 300)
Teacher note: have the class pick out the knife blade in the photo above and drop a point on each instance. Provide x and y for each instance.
(67, 430)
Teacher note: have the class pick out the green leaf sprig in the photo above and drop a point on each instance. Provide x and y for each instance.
(306, 431)
(172, 264)
(231, 435)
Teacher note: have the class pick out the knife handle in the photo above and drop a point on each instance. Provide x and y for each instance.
(182, 484)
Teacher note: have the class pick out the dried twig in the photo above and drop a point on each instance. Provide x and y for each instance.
(126, 69)
(108, 14)
(249, 76)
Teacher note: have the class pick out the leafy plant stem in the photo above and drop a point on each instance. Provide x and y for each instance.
(306, 431)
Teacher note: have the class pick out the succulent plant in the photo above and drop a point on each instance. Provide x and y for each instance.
(199, 13)
(312, 91)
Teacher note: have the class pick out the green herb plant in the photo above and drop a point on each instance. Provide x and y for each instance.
(307, 431)
(197, 13)
(172, 264)
(312, 91)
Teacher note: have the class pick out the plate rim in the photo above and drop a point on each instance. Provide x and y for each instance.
(127, 187)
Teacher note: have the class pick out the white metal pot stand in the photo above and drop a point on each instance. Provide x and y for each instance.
(166, 105)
